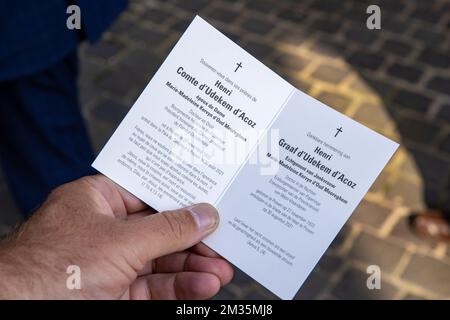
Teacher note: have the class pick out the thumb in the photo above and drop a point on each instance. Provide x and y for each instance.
(172, 231)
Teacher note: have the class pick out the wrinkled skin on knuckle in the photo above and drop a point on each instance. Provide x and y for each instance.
(179, 223)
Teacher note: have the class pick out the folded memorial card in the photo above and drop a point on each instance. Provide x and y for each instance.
(284, 170)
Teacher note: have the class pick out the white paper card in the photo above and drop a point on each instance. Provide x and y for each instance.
(284, 170)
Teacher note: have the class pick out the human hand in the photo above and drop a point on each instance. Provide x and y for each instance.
(123, 250)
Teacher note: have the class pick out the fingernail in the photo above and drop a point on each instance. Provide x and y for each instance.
(205, 215)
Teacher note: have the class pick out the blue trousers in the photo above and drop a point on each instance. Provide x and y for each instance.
(43, 139)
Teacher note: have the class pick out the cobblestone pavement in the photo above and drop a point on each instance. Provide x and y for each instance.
(395, 80)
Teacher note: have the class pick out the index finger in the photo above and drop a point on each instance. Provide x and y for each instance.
(121, 201)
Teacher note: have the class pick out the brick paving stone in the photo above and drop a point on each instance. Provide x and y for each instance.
(429, 273)
(182, 24)
(418, 130)
(329, 263)
(224, 294)
(394, 25)
(365, 114)
(428, 37)
(105, 49)
(259, 50)
(100, 133)
(87, 94)
(117, 82)
(265, 6)
(156, 15)
(328, 47)
(405, 72)
(330, 6)
(142, 63)
(356, 14)
(89, 69)
(293, 15)
(121, 27)
(241, 277)
(433, 194)
(440, 84)
(330, 73)
(428, 4)
(365, 59)
(381, 183)
(325, 25)
(264, 292)
(375, 251)
(410, 192)
(340, 237)
(402, 232)
(425, 14)
(109, 111)
(397, 47)
(258, 26)
(353, 286)
(255, 295)
(389, 6)
(445, 6)
(147, 36)
(235, 37)
(368, 85)
(313, 286)
(361, 35)
(433, 168)
(445, 144)
(286, 60)
(327, 296)
(334, 100)
(435, 58)
(192, 5)
(371, 214)
(412, 100)
(408, 166)
(224, 15)
(298, 83)
(291, 37)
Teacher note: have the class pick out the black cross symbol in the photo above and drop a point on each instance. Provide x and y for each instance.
(239, 65)
(339, 130)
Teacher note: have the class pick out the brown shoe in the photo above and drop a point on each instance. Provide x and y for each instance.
(432, 224)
